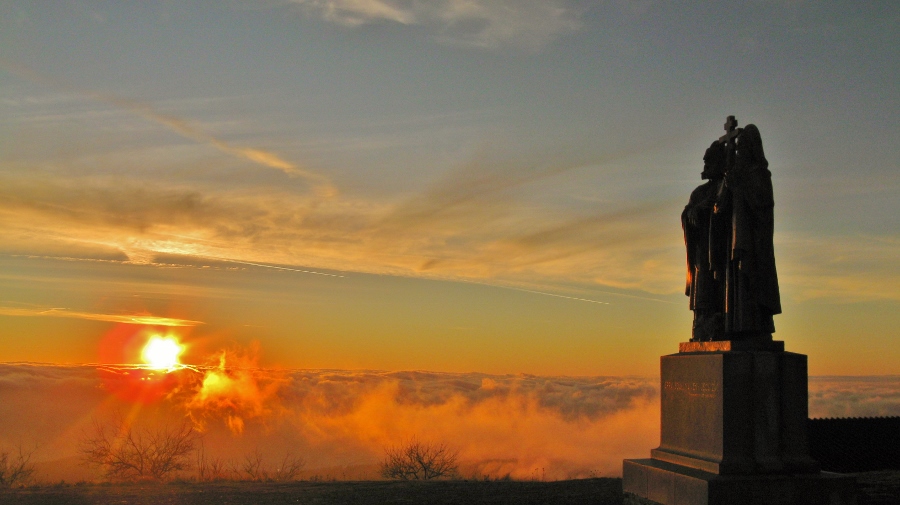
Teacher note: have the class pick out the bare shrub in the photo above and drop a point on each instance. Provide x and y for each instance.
(211, 469)
(289, 468)
(417, 460)
(16, 467)
(254, 467)
(127, 453)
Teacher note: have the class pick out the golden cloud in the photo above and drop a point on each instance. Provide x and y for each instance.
(140, 319)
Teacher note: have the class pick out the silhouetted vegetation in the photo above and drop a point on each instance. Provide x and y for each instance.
(16, 468)
(254, 468)
(126, 453)
(417, 460)
(212, 469)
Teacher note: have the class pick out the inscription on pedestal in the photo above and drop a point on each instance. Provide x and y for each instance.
(692, 407)
(693, 389)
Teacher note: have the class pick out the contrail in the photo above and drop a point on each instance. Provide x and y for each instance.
(553, 294)
(275, 267)
(610, 293)
(534, 292)
(321, 184)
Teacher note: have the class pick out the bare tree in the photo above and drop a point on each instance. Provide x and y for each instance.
(416, 460)
(289, 468)
(16, 467)
(211, 469)
(254, 468)
(126, 453)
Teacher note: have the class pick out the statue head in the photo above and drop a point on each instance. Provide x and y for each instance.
(714, 162)
(730, 123)
(750, 145)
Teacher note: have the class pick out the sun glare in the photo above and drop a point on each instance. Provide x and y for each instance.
(162, 353)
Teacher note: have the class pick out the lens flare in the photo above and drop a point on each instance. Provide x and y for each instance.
(162, 353)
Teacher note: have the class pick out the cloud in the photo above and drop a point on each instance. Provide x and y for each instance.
(234, 391)
(143, 220)
(477, 23)
(567, 426)
(487, 220)
(854, 396)
(477, 224)
(358, 12)
(481, 223)
(322, 186)
(139, 319)
(846, 268)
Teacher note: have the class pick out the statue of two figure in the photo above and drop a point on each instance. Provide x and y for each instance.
(728, 226)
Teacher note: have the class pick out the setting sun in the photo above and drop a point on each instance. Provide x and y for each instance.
(162, 353)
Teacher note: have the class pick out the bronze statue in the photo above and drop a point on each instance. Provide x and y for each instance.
(732, 281)
(705, 291)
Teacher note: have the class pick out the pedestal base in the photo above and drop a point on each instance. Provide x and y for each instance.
(733, 432)
(735, 412)
(653, 482)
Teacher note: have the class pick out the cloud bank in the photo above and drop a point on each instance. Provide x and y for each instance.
(854, 396)
(341, 421)
(559, 427)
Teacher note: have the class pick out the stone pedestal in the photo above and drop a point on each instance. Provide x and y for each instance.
(653, 482)
(733, 431)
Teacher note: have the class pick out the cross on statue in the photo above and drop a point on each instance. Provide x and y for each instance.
(731, 130)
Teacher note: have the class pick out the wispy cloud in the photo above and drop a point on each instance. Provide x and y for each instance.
(479, 23)
(483, 221)
(140, 319)
(476, 226)
(322, 185)
(848, 268)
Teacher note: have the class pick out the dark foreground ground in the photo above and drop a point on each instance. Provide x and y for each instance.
(593, 491)
(877, 488)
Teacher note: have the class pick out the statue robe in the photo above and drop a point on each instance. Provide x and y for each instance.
(700, 283)
(702, 288)
(741, 238)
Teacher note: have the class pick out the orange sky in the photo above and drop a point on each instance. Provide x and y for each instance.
(388, 322)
